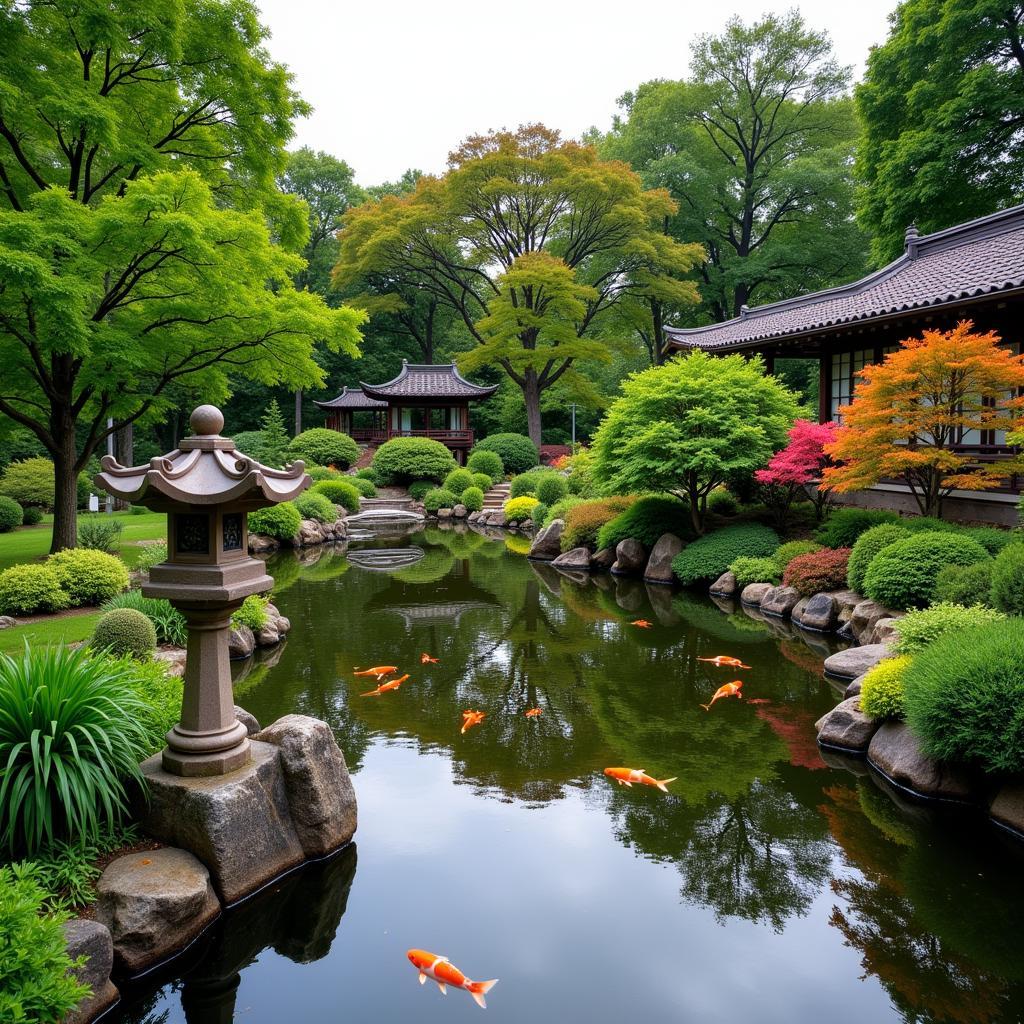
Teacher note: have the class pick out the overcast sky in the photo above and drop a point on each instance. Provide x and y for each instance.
(399, 83)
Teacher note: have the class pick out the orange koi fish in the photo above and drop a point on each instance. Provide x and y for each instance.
(426, 659)
(728, 690)
(534, 713)
(445, 973)
(471, 718)
(387, 687)
(724, 661)
(627, 776)
(642, 624)
(380, 671)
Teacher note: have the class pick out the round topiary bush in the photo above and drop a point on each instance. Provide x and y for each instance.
(365, 487)
(316, 505)
(339, 492)
(965, 584)
(528, 482)
(881, 694)
(318, 473)
(324, 447)
(903, 574)
(517, 453)
(817, 571)
(551, 488)
(404, 459)
(918, 629)
(458, 480)
(29, 482)
(1008, 580)
(125, 631)
(482, 480)
(473, 499)
(11, 514)
(842, 528)
(964, 697)
(868, 544)
(28, 589)
(88, 576)
(709, 556)
(280, 521)
(518, 509)
(438, 498)
(483, 461)
(32, 514)
(419, 489)
(646, 520)
(756, 569)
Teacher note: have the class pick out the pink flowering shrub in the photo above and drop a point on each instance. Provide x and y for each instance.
(798, 467)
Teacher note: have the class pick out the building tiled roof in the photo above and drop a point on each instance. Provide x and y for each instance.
(352, 398)
(417, 380)
(979, 258)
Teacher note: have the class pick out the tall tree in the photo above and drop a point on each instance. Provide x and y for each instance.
(756, 148)
(138, 149)
(942, 110)
(528, 239)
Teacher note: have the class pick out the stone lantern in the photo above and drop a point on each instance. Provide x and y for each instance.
(206, 487)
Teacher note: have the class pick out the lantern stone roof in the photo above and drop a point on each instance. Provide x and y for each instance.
(205, 469)
(428, 381)
(969, 262)
(352, 398)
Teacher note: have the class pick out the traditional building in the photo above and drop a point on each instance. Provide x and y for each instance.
(974, 271)
(422, 401)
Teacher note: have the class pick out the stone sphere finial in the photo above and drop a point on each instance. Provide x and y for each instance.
(206, 420)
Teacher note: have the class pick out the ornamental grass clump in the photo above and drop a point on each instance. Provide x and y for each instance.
(881, 694)
(339, 492)
(317, 506)
(168, 621)
(964, 697)
(29, 589)
(868, 544)
(708, 557)
(281, 521)
(918, 629)
(755, 569)
(322, 447)
(817, 571)
(516, 451)
(843, 526)
(583, 521)
(1008, 580)
(646, 520)
(88, 577)
(125, 631)
(101, 533)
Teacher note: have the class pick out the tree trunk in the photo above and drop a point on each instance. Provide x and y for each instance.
(531, 392)
(65, 502)
(298, 413)
(124, 452)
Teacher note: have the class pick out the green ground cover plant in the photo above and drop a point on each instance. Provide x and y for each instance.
(87, 576)
(125, 631)
(30, 589)
(646, 520)
(919, 628)
(844, 525)
(253, 613)
(817, 571)
(516, 451)
(404, 459)
(867, 545)
(881, 694)
(709, 556)
(322, 447)
(52, 630)
(281, 521)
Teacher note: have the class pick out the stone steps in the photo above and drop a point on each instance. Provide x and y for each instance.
(496, 497)
(371, 504)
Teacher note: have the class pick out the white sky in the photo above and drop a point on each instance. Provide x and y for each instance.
(399, 83)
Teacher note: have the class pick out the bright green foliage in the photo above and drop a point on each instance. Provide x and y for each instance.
(755, 569)
(793, 549)
(584, 519)
(275, 437)
(419, 489)
(930, 524)
(964, 697)
(11, 514)
(99, 532)
(458, 480)
(845, 525)
(404, 459)
(87, 576)
(318, 473)
(160, 694)
(517, 509)
(646, 520)
(486, 460)
(722, 503)
(528, 482)
(561, 508)
(317, 506)
(151, 552)
(581, 474)
(29, 482)
(168, 622)
(708, 557)
(250, 442)
(439, 498)
(35, 985)
(551, 487)
(1008, 580)
(868, 544)
(965, 584)
(365, 487)
(339, 492)
(685, 427)
(991, 538)
(817, 571)
(27, 589)
(482, 480)
(922, 627)
(70, 734)
(903, 575)
(517, 453)
(367, 473)
(281, 521)
(324, 447)
(253, 613)
(125, 631)
(473, 499)
(538, 515)
(881, 694)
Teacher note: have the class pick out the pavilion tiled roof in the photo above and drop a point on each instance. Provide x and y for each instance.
(352, 398)
(979, 258)
(418, 380)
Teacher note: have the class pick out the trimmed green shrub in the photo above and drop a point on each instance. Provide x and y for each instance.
(881, 694)
(551, 488)
(168, 622)
(817, 571)
(755, 569)
(482, 460)
(419, 489)
(845, 525)
(339, 492)
(125, 631)
(560, 509)
(903, 574)
(11, 514)
(583, 521)
(28, 589)
(526, 483)
(868, 544)
(253, 613)
(318, 473)
(316, 505)
(581, 474)
(965, 584)
(923, 626)
(646, 520)
(929, 524)
(1008, 580)
(518, 509)
(324, 447)
(473, 499)
(709, 556)
(538, 514)
(34, 981)
(404, 459)
(991, 538)
(281, 521)
(439, 498)
(367, 473)
(722, 503)
(32, 514)
(29, 482)
(365, 487)
(70, 734)
(482, 480)
(458, 480)
(99, 532)
(793, 549)
(964, 697)
(88, 577)
(517, 453)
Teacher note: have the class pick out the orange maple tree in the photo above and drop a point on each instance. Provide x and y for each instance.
(910, 411)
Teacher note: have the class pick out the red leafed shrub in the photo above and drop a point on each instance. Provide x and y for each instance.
(799, 466)
(820, 570)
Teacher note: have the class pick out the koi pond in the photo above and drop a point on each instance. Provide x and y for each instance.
(764, 886)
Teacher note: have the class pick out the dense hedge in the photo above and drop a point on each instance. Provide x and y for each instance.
(1008, 580)
(340, 492)
(881, 694)
(517, 453)
(868, 544)
(991, 538)
(87, 576)
(755, 569)
(473, 499)
(317, 506)
(646, 520)
(481, 460)
(817, 571)
(584, 520)
(124, 631)
(923, 626)
(708, 557)
(28, 589)
(11, 514)
(324, 447)
(404, 459)
(965, 584)
(281, 521)
(845, 525)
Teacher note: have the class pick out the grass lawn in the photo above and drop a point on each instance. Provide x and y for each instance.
(53, 630)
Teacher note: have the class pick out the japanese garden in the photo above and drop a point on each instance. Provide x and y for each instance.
(594, 563)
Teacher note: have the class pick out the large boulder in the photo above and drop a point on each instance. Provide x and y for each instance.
(779, 601)
(154, 903)
(460, 511)
(310, 532)
(496, 518)
(546, 545)
(885, 631)
(855, 661)
(578, 558)
(603, 560)
(252, 726)
(6, 621)
(846, 601)
(1008, 807)
(659, 565)
(630, 557)
(444, 513)
(847, 727)
(725, 585)
(320, 793)
(820, 613)
(754, 592)
(173, 659)
(896, 753)
(260, 543)
(241, 642)
(864, 617)
(91, 939)
(853, 689)
(474, 517)
(268, 635)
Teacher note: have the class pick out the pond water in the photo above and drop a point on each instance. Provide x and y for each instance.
(766, 886)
